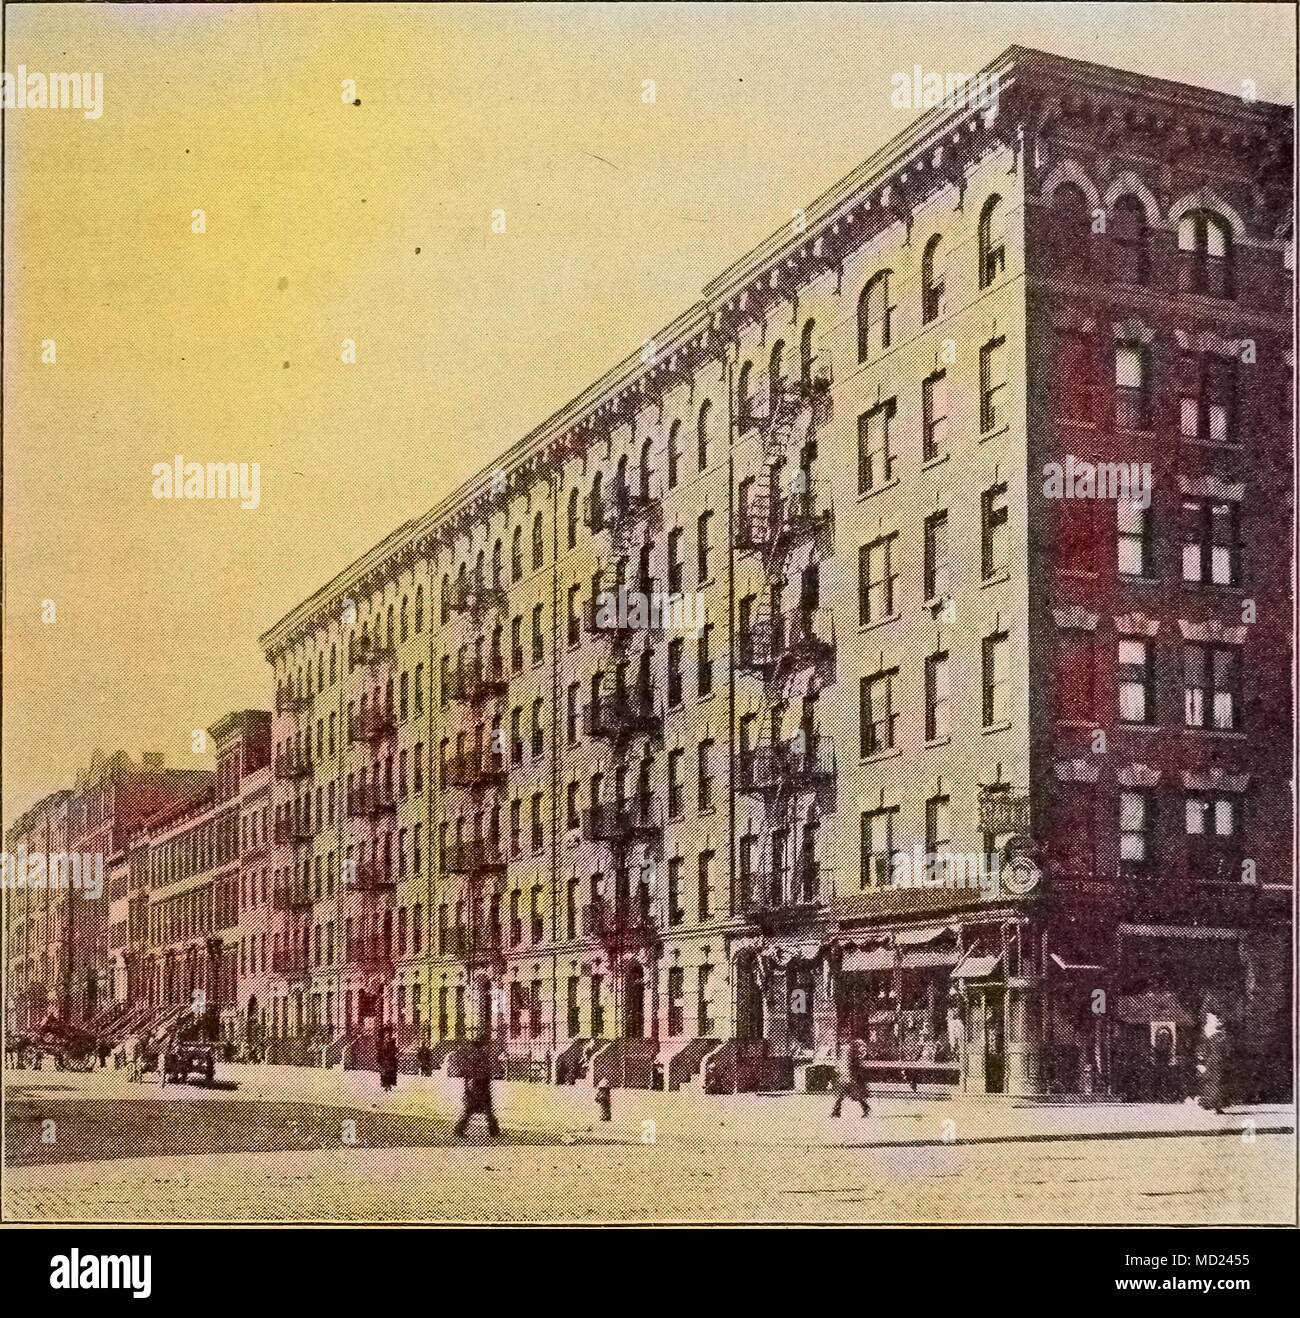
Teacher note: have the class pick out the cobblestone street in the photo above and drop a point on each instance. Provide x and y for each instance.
(308, 1145)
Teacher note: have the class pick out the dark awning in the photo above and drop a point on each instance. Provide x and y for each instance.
(1143, 1008)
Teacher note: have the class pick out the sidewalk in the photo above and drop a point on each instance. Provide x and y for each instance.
(772, 1119)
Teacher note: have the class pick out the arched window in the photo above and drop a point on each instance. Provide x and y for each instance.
(674, 451)
(992, 241)
(497, 565)
(480, 577)
(620, 486)
(775, 376)
(572, 518)
(806, 354)
(705, 433)
(419, 610)
(744, 407)
(1205, 240)
(538, 542)
(517, 554)
(462, 586)
(445, 600)
(404, 618)
(596, 518)
(875, 316)
(931, 283)
(1128, 239)
(391, 619)
(645, 468)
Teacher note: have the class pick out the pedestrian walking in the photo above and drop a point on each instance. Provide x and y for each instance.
(476, 1068)
(851, 1083)
(424, 1058)
(1211, 1064)
(387, 1059)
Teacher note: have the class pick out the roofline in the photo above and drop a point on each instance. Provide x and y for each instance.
(822, 211)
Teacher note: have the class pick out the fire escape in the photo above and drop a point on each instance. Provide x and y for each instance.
(480, 773)
(293, 828)
(624, 712)
(786, 510)
(369, 883)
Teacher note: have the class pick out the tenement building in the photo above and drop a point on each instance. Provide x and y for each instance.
(62, 859)
(897, 648)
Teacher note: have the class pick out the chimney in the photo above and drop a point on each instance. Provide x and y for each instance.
(153, 761)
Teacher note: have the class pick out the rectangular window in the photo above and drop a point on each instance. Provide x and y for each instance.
(1214, 843)
(704, 675)
(676, 799)
(1212, 686)
(1133, 525)
(676, 989)
(934, 416)
(1132, 387)
(879, 718)
(676, 911)
(996, 679)
(938, 831)
(938, 561)
(675, 672)
(1208, 412)
(995, 542)
(876, 580)
(878, 847)
(705, 894)
(705, 548)
(1211, 553)
(938, 697)
(675, 561)
(993, 386)
(1136, 681)
(875, 458)
(1135, 820)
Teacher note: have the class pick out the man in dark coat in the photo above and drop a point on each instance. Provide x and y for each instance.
(476, 1067)
(1213, 1047)
(387, 1060)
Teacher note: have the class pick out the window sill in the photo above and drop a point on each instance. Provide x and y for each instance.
(936, 742)
(879, 622)
(894, 753)
(705, 811)
(937, 461)
(864, 495)
(1126, 726)
(936, 604)
(997, 579)
(707, 698)
(996, 433)
(1004, 726)
(1225, 734)
(1217, 445)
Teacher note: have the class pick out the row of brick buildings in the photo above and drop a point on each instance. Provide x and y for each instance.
(619, 750)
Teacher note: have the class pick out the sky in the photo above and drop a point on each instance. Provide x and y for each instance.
(131, 621)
